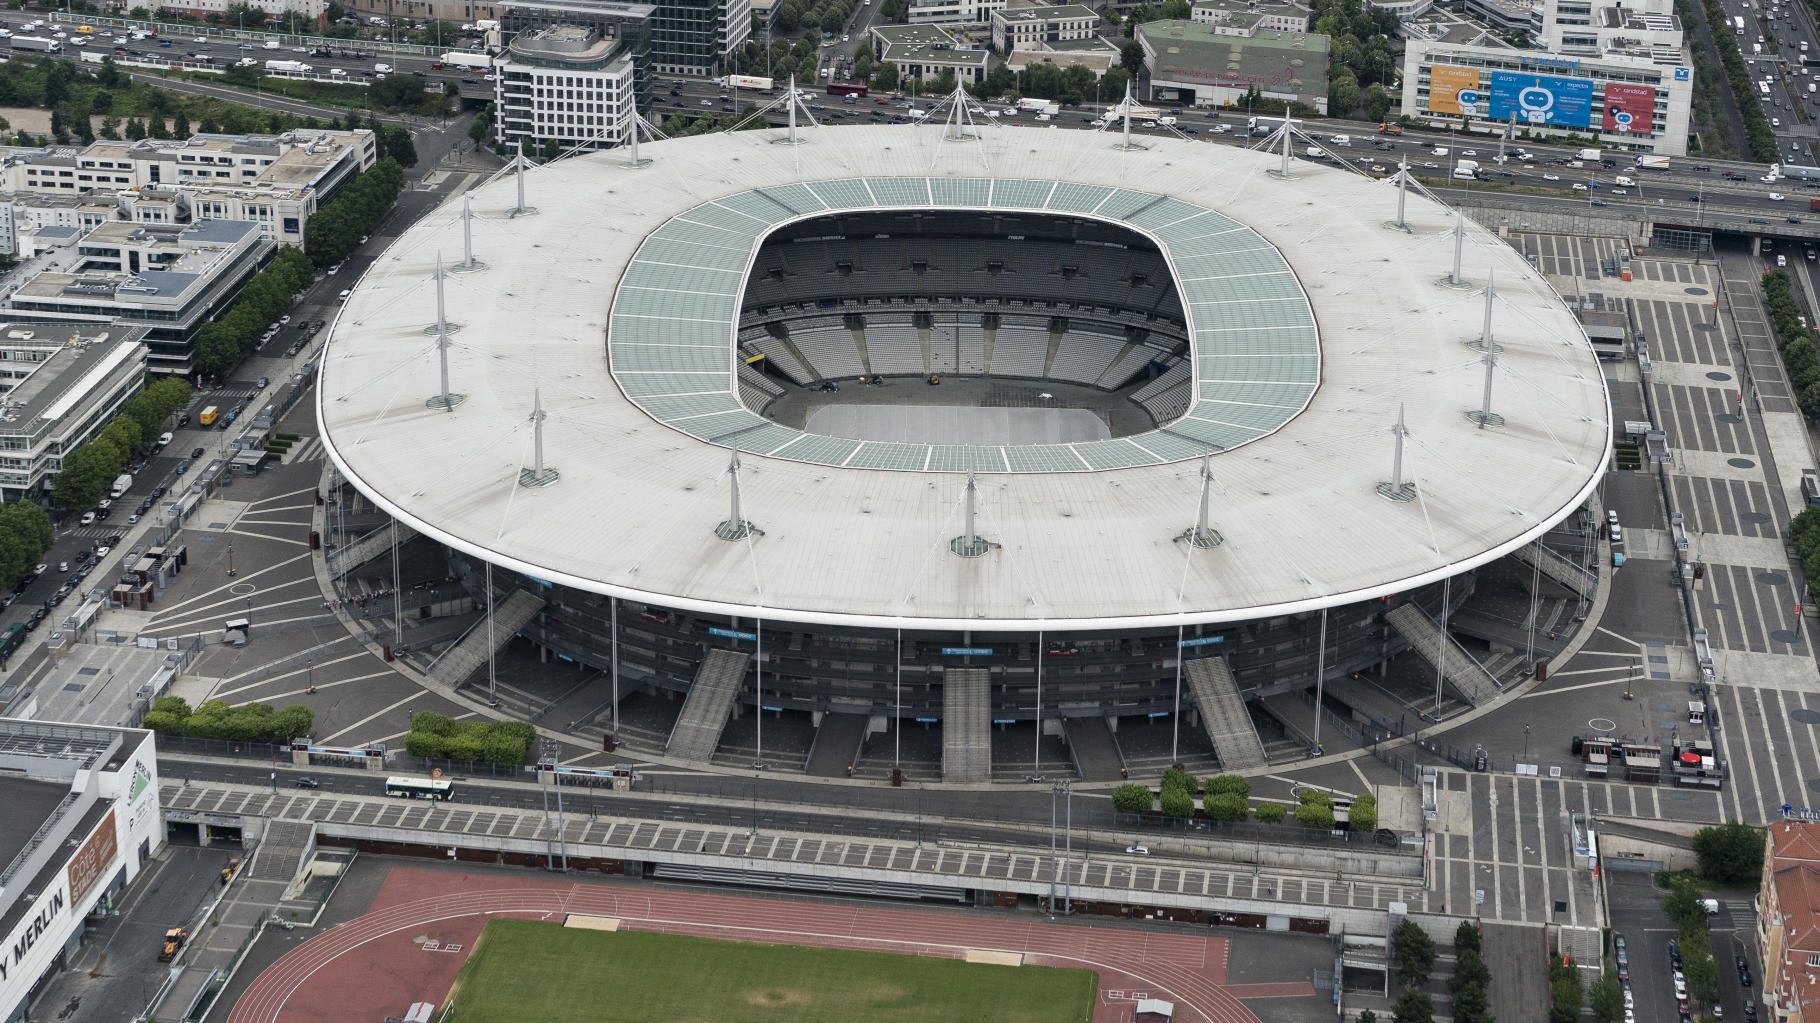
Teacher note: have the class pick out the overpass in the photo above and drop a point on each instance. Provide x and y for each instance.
(1313, 888)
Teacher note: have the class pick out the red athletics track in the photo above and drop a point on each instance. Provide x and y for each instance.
(412, 942)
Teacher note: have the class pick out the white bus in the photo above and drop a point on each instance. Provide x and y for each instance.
(419, 788)
(1763, 87)
(1738, 24)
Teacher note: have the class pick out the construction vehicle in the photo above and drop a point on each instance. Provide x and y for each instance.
(173, 940)
(1386, 128)
(228, 872)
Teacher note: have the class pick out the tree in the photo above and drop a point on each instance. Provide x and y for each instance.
(1412, 954)
(396, 143)
(1177, 802)
(1376, 102)
(1466, 937)
(1470, 1004)
(1229, 785)
(1608, 998)
(1314, 816)
(1468, 969)
(1132, 799)
(1131, 58)
(1414, 1007)
(1564, 991)
(1270, 813)
(1226, 807)
(885, 80)
(398, 92)
(1367, 1016)
(1364, 813)
(1729, 853)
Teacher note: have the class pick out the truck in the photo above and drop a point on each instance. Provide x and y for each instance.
(38, 43)
(1650, 161)
(1813, 204)
(289, 67)
(1466, 165)
(1029, 103)
(1590, 155)
(208, 416)
(758, 82)
(1466, 173)
(122, 484)
(1386, 128)
(96, 56)
(462, 60)
(173, 940)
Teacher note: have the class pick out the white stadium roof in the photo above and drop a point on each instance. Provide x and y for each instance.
(1085, 534)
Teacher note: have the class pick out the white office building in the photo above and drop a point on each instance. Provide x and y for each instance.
(60, 384)
(566, 84)
(1621, 101)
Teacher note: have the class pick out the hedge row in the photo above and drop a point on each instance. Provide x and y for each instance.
(439, 737)
(249, 722)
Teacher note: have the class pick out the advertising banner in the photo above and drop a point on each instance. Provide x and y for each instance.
(90, 864)
(1455, 90)
(1630, 108)
(1541, 99)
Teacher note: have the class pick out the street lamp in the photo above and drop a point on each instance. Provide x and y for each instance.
(231, 572)
(1525, 742)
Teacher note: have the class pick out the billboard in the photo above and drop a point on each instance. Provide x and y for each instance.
(1455, 90)
(91, 863)
(1630, 108)
(1541, 99)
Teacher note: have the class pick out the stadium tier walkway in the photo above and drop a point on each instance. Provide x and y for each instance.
(837, 744)
(966, 725)
(710, 701)
(1223, 714)
(1575, 577)
(283, 851)
(369, 547)
(1461, 670)
(453, 666)
(1095, 751)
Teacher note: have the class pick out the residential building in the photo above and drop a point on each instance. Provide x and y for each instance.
(1014, 28)
(1249, 17)
(1622, 101)
(952, 12)
(460, 12)
(312, 9)
(79, 821)
(168, 279)
(925, 51)
(1788, 921)
(1193, 63)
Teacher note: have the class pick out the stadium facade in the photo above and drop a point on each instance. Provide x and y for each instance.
(1292, 464)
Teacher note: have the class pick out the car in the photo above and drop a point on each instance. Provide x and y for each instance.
(132, 519)
(1580, 186)
(182, 467)
(1776, 197)
(333, 270)
(336, 72)
(1674, 947)
(1743, 972)
(196, 453)
(707, 102)
(1438, 151)
(63, 566)
(307, 782)
(1551, 177)
(1138, 850)
(1619, 191)
(102, 552)
(88, 518)
(200, 41)
(41, 569)
(345, 292)
(846, 38)
(1469, 152)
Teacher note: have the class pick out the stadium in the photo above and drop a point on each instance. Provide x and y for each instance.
(953, 449)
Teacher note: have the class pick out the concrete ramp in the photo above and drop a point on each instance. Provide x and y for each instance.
(1095, 751)
(453, 666)
(286, 847)
(837, 744)
(709, 704)
(1517, 956)
(1575, 577)
(370, 547)
(1461, 670)
(966, 725)
(1223, 713)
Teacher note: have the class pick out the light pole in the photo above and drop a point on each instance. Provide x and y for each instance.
(231, 572)
(1525, 742)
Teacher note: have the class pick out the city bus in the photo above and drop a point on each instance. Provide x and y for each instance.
(847, 89)
(11, 639)
(1738, 25)
(419, 788)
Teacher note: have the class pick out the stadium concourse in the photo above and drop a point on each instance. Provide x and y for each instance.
(423, 922)
(1302, 464)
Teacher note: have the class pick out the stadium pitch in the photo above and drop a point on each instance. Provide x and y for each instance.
(524, 970)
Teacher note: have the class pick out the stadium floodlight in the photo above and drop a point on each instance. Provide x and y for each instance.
(539, 475)
(1397, 488)
(444, 399)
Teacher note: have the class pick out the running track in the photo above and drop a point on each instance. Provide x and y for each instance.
(376, 964)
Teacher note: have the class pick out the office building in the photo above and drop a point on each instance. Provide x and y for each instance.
(168, 279)
(952, 12)
(1015, 28)
(60, 384)
(1623, 101)
(925, 51)
(1249, 17)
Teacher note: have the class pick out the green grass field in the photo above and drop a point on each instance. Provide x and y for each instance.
(524, 970)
